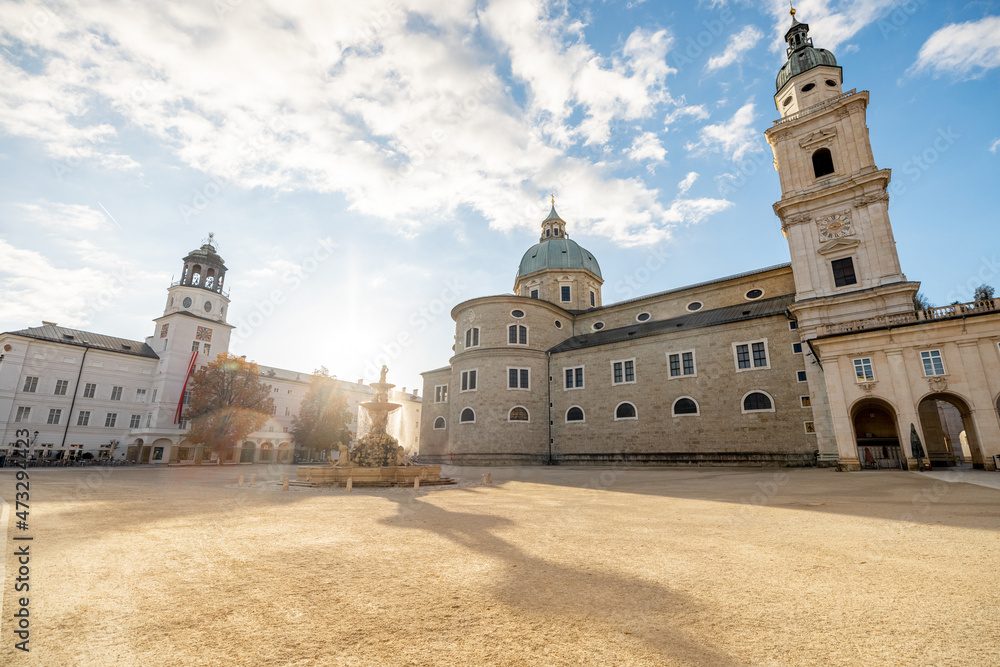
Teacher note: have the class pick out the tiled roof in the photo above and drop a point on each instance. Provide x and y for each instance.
(56, 334)
(707, 318)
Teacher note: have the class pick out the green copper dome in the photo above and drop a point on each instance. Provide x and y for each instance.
(802, 55)
(560, 253)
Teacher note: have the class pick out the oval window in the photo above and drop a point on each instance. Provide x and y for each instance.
(788, 100)
(809, 86)
(517, 313)
(754, 294)
(598, 326)
(831, 83)
(695, 305)
(558, 324)
(208, 306)
(187, 302)
(642, 317)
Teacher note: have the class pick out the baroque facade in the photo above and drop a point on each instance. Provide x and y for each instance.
(822, 361)
(83, 394)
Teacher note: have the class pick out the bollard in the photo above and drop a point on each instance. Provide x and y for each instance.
(240, 483)
(489, 478)
(350, 483)
(284, 485)
(416, 483)
(484, 478)
(253, 479)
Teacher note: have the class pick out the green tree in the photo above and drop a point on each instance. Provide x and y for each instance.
(228, 402)
(324, 415)
(921, 302)
(983, 293)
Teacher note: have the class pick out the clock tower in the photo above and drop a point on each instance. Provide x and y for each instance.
(834, 206)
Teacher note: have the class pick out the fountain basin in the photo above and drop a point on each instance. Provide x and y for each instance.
(384, 476)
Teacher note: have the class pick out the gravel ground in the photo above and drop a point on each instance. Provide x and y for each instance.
(548, 566)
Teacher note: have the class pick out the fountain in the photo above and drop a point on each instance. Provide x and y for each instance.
(377, 459)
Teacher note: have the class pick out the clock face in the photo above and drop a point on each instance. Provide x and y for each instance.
(834, 227)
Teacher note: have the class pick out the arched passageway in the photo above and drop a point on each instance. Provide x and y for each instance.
(876, 432)
(949, 431)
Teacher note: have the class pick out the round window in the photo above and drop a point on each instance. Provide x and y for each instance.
(642, 317)
(809, 86)
(755, 294)
(695, 305)
(558, 324)
(598, 326)
(788, 100)
(208, 306)
(186, 302)
(831, 83)
(517, 313)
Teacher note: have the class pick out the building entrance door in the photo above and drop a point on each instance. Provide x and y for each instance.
(877, 436)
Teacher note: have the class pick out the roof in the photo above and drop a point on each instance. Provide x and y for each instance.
(740, 312)
(674, 290)
(75, 337)
(803, 56)
(562, 253)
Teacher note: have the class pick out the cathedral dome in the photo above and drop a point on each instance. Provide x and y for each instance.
(802, 55)
(558, 253)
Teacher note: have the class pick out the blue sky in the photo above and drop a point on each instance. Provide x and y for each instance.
(366, 166)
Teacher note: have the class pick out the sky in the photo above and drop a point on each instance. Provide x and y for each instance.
(365, 166)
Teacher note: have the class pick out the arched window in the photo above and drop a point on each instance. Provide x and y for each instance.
(196, 274)
(517, 334)
(685, 406)
(757, 401)
(468, 416)
(625, 411)
(822, 162)
(575, 414)
(439, 424)
(517, 414)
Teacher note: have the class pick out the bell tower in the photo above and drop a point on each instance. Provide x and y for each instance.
(834, 207)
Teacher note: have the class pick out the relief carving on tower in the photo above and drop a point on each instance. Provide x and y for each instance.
(937, 383)
(819, 138)
(868, 200)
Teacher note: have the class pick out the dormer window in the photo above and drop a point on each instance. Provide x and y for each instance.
(548, 232)
(556, 231)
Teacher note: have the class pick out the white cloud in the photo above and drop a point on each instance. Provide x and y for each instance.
(64, 218)
(735, 137)
(647, 146)
(409, 123)
(830, 27)
(995, 146)
(737, 45)
(962, 49)
(686, 184)
(696, 112)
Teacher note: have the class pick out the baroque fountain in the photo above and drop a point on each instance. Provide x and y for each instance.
(377, 459)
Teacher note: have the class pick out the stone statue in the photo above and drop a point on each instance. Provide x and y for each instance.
(345, 457)
(385, 369)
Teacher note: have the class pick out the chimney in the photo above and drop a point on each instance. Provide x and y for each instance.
(49, 324)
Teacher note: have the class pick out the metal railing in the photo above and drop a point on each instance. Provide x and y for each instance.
(223, 292)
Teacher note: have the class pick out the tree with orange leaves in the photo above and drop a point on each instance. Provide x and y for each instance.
(228, 402)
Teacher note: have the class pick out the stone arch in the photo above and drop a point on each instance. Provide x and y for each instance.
(877, 434)
(248, 452)
(265, 453)
(285, 452)
(158, 452)
(950, 435)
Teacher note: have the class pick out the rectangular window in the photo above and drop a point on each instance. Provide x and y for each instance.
(793, 325)
(195, 346)
(805, 401)
(30, 384)
(517, 334)
(441, 393)
(517, 378)
(472, 337)
(187, 396)
(61, 387)
(23, 415)
(681, 364)
(469, 380)
(149, 418)
(89, 390)
(933, 364)
(564, 293)
(593, 298)
(624, 371)
(116, 393)
(574, 378)
(288, 412)
(140, 395)
(54, 416)
(83, 419)
(207, 348)
(810, 427)
(801, 376)
(534, 294)
(843, 272)
(796, 348)
(135, 421)
(751, 355)
(153, 398)
(110, 419)
(863, 370)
